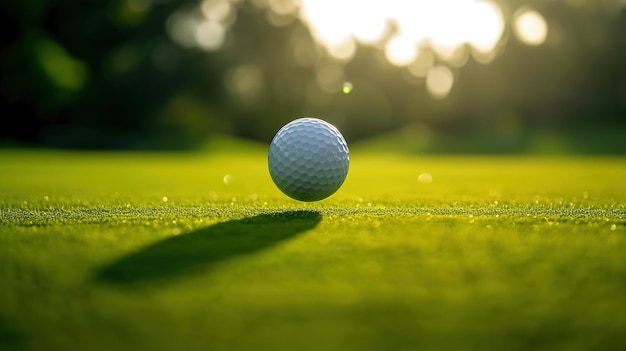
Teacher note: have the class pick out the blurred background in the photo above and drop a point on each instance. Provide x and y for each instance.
(488, 76)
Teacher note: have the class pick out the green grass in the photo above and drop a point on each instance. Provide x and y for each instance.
(200, 251)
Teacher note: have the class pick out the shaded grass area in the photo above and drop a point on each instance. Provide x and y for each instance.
(201, 251)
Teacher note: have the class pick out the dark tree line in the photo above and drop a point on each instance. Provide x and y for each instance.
(101, 74)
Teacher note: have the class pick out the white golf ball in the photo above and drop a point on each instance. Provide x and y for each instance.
(308, 159)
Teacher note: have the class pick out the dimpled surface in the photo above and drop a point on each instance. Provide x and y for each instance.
(308, 159)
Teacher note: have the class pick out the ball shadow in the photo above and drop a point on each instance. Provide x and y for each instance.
(203, 248)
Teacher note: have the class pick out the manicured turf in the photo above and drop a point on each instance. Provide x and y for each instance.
(199, 251)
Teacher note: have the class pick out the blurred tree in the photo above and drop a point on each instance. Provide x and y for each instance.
(166, 74)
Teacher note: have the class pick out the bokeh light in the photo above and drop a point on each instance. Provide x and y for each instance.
(486, 26)
(247, 83)
(406, 28)
(182, 29)
(412, 34)
(530, 26)
(204, 26)
(400, 51)
(439, 80)
(444, 26)
(210, 35)
(216, 10)
(490, 71)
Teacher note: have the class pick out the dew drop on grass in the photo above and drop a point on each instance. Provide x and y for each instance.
(227, 178)
(425, 178)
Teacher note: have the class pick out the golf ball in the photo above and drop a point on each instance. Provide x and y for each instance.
(308, 159)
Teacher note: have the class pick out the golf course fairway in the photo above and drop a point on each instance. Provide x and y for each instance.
(200, 251)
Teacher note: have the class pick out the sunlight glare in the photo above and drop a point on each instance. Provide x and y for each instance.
(369, 26)
(442, 25)
(485, 36)
(326, 20)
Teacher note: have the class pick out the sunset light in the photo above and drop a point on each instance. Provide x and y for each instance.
(404, 27)
(431, 39)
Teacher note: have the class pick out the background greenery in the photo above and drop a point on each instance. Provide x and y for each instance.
(106, 74)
